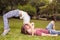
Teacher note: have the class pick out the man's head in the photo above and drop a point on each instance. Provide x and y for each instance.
(26, 26)
(24, 29)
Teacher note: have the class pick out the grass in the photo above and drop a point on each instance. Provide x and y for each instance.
(15, 26)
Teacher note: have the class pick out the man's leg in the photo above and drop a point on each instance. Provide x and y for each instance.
(49, 26)
(55, 32)
(51, 30)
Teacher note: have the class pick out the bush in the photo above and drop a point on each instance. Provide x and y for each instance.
(58, 17)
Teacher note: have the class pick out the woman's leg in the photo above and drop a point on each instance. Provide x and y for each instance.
(6, 25)
(5, 19)
(9, 15)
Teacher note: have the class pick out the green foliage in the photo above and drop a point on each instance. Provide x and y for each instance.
(31, 6)
(39, 2)
(24, 2)
(30, 9)
(58, 17)
(12, 3)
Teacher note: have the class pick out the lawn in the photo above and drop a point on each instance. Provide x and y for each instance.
(15, 26)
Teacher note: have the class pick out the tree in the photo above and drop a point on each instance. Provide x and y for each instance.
(4, 4)
(37, 4)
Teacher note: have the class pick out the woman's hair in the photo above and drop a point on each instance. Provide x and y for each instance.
(23, 29)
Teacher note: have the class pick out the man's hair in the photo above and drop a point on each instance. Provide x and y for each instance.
(23, 30)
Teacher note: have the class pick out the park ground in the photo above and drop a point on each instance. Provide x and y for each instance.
(15, 32)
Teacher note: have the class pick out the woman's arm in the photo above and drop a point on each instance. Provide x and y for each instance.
(43, 34)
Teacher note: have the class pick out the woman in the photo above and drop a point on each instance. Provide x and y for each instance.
(14, 13)
(49, 31)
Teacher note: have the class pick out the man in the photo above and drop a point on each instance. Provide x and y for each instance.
(48, 31)
(14, 13)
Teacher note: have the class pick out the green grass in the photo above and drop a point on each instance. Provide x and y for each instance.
(15, 26)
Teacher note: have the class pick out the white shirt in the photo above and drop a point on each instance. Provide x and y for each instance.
(25, 17)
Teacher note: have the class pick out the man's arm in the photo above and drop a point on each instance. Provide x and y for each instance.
(32, 28)
(43, 34)
(54, 26)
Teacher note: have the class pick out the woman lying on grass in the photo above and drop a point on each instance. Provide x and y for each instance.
(48, 31)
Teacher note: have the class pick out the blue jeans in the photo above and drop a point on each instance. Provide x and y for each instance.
(50, 29)
(14, 13)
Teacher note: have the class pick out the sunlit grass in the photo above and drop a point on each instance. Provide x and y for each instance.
(15, 26)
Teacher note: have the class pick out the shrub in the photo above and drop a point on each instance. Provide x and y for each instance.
(58, 17)
(30, 9)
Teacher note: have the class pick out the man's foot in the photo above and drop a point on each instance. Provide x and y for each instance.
(5, 32)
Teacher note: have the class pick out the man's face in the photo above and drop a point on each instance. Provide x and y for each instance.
(27, 26)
